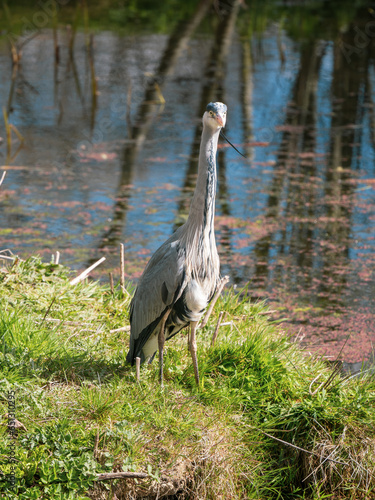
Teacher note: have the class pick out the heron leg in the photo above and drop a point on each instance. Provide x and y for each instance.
(220, 287)
(161, 341)
(193, 349)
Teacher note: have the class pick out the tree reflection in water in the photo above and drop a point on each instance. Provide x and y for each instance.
(296, 220)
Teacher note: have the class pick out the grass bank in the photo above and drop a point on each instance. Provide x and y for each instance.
(268, 422)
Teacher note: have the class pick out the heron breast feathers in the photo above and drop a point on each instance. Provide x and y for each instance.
(196, 298)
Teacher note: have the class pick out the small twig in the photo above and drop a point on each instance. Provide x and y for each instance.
(323, 429)
(138, 368)
(342, 439)
(122, 329)
(67, 322)
(7, 257)
(96, 446)
(121, 475)
(325, 383)
(48, 310)
(352, 375)
(291, 362)
(10, 251)
(312, 393)
(298, 447)
(297, 339)
(287, 444)
(122, 267)
(236, 327)
(122, 270)
(75, 334)
(111, 283)
(342, 348)
(335, 371)
(216, 331)
(320, 465)
(266, 313)
(85, 273)
(330, 379)
(3, 177)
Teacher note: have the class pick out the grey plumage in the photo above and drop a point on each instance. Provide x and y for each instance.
(181, 277)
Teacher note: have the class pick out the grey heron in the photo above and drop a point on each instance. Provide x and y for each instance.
(182, 276)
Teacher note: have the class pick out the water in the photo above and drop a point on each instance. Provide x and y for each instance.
(296, 220)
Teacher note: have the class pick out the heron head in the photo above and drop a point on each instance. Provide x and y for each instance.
(215, 115)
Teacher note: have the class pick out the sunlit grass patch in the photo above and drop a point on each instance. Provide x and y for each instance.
(268, 421)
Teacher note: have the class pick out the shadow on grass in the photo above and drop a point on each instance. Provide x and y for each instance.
(77, 368)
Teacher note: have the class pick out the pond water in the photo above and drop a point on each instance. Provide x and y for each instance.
(109, 155)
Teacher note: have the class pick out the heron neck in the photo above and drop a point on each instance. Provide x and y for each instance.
(202, 209)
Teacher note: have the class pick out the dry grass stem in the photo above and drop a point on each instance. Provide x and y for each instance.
(218, 324)
(85, 273)
(122, 329)
(122, 267)
(121, 475)
(111, 283)
(67, 322)
(3, 177)
(299, 448)
(122, 271)
(96, 445)
(7, 257)
(311, 392)
(86, 409)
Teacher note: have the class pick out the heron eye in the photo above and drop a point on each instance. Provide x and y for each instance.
(211, 113)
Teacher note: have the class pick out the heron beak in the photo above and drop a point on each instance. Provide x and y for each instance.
(220, 120)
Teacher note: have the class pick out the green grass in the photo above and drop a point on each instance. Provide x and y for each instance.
(83, 413)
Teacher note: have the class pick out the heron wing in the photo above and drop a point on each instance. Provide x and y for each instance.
(160, 286)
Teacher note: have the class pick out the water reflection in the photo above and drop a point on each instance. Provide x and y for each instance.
(150, 108)
(112, 126)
